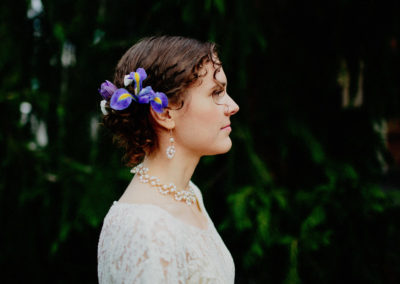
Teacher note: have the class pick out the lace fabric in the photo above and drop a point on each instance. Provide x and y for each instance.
(143, 243)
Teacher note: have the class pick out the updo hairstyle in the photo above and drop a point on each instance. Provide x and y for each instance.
(172, 64)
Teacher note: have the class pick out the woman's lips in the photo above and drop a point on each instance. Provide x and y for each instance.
(227, 127)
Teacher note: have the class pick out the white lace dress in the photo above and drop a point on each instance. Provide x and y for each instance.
(143, 243)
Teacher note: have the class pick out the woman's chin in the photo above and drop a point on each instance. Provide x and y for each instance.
(222, 149)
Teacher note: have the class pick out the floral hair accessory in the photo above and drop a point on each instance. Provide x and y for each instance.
(158, 101)
(107, 89)
(121, 98)
(137, 78)
(103, 107)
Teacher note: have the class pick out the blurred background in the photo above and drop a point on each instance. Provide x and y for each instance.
(309, 193)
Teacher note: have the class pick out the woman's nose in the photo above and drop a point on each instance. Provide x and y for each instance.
(232, 106)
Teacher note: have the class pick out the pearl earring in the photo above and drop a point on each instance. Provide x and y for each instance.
(171, 148)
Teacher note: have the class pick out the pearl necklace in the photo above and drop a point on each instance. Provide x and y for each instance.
(187, 196)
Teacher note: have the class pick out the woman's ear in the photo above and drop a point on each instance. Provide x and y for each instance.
(163, 119)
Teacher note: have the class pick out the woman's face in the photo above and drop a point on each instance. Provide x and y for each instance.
(202, 126)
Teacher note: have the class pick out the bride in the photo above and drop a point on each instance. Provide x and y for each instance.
(168, 108)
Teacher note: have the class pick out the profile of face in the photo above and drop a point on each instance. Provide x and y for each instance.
(202, 126)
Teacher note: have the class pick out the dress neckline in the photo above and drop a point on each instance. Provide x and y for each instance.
(167, 213)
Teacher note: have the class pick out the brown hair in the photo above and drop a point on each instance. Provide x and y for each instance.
(172, 64)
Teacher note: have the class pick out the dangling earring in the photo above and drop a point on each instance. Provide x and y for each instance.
(171, 147)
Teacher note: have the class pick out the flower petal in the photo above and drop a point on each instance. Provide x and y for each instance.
(128, 79)
(157, 107)
(159, 102)
(163, 98)
(138, 78)
(107, 89)
(146, 95)
(142, 74)
(121, 99)
(103, 107)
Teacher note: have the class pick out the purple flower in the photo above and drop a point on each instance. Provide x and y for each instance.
(146, 95)
(137, 78)
(107, 89)
(159, 102)
(121, 99)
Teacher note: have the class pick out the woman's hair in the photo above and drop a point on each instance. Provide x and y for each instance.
(172, 64)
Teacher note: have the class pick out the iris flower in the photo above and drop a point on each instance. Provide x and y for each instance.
(107, 89)
(158, 100)
(137, 78)
(121, 99)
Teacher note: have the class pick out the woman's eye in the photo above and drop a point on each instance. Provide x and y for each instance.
(218, 96)
(218, 93)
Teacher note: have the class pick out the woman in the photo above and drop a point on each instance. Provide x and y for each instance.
(168, 108)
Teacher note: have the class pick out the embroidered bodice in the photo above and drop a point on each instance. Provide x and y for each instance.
(144, 243)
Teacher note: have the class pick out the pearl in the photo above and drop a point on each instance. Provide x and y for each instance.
(188, 196)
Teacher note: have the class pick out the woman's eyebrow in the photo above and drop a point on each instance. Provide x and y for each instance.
(218, 85)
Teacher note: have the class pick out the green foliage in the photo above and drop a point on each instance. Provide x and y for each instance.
(311, 192)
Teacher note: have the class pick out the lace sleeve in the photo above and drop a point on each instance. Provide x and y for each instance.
(137, 246)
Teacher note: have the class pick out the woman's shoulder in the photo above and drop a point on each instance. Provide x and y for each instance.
(132, 233)
(143, 214)
(138, 222)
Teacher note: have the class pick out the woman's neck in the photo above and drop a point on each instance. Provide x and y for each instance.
(178, 170)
